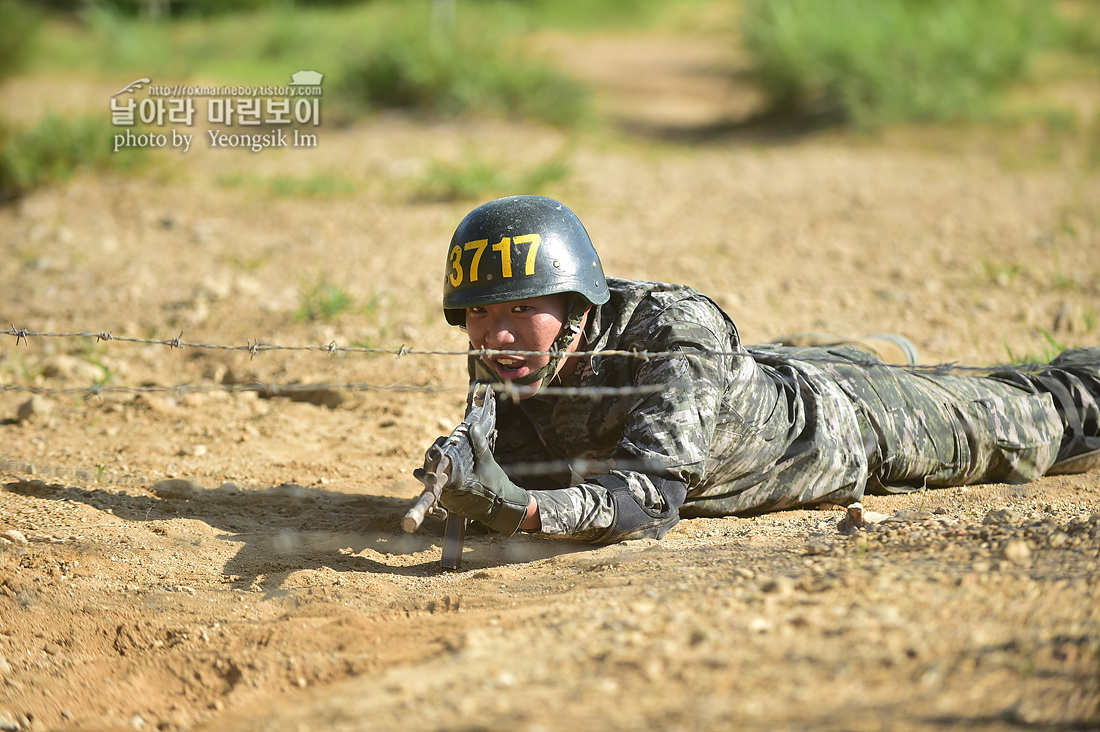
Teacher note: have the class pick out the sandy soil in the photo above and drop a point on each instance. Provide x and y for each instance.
(214, 560)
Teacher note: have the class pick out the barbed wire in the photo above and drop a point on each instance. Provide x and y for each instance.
(253, 348)
(586, 466)
(270, 390)
(104, 475)
(579, 466)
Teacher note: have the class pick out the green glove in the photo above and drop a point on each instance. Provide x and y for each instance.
(488, 496)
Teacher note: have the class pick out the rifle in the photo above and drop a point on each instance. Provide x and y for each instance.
(439, 465)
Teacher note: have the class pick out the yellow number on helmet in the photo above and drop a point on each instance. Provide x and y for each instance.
(455, 276)
(534, 240)
(504, 246)
(477, 247)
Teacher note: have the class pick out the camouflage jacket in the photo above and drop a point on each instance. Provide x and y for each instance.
(720, 435)
(741, 431)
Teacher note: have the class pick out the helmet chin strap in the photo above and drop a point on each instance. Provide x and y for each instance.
(558, 350)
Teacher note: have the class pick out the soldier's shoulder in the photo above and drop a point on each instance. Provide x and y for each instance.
(644, 296)
(645, 310)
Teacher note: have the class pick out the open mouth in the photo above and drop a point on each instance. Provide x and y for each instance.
(509, 367)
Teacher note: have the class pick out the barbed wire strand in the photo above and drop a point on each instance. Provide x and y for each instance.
(578, 466)
(268, 391)
(23, 335)
(106, 474)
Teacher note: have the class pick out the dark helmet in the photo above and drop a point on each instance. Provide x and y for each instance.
(515, 248)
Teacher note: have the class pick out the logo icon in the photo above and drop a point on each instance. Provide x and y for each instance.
(133, 86)
(305, 78)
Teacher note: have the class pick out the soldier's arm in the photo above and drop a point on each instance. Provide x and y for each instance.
(611, 507)
(662, 452)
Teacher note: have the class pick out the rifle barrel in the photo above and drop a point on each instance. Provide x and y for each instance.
(416, 514)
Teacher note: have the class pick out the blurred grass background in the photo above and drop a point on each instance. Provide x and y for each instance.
(859, 64)
(892, 61)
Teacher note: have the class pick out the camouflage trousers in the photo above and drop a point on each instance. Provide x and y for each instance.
(923, 428)
(928, 428)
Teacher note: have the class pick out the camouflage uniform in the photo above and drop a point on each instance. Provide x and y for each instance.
(769, 429)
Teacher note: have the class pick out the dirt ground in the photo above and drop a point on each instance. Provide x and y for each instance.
(206, 559)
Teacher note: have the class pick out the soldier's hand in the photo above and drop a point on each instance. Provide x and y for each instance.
(487, 496)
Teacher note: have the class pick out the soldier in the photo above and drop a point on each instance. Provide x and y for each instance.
(723, 429)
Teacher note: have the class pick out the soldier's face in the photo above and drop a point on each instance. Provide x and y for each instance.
(519, 325)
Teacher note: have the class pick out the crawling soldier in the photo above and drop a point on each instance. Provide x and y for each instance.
(727, 430)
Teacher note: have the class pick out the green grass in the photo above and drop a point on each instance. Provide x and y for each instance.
(467, 69)
(1001, 273)
(876, 62)
(323, 301)
(261, 47)
(1051, 349)
(55, 148)
(18, 35)
(318, 185)
(243, 263)
(478, 177)
(384, 53)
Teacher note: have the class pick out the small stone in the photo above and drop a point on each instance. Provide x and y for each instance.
(1000, 516)
(5, 667)
(911, 515)
(780, 585)
(154, 403)
(855, 514)
(36, 410)
(760, 625)
(1017, 552)
(176, 488)
(71, 368)
(15, 537)
(856, 517)
(888, 615)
